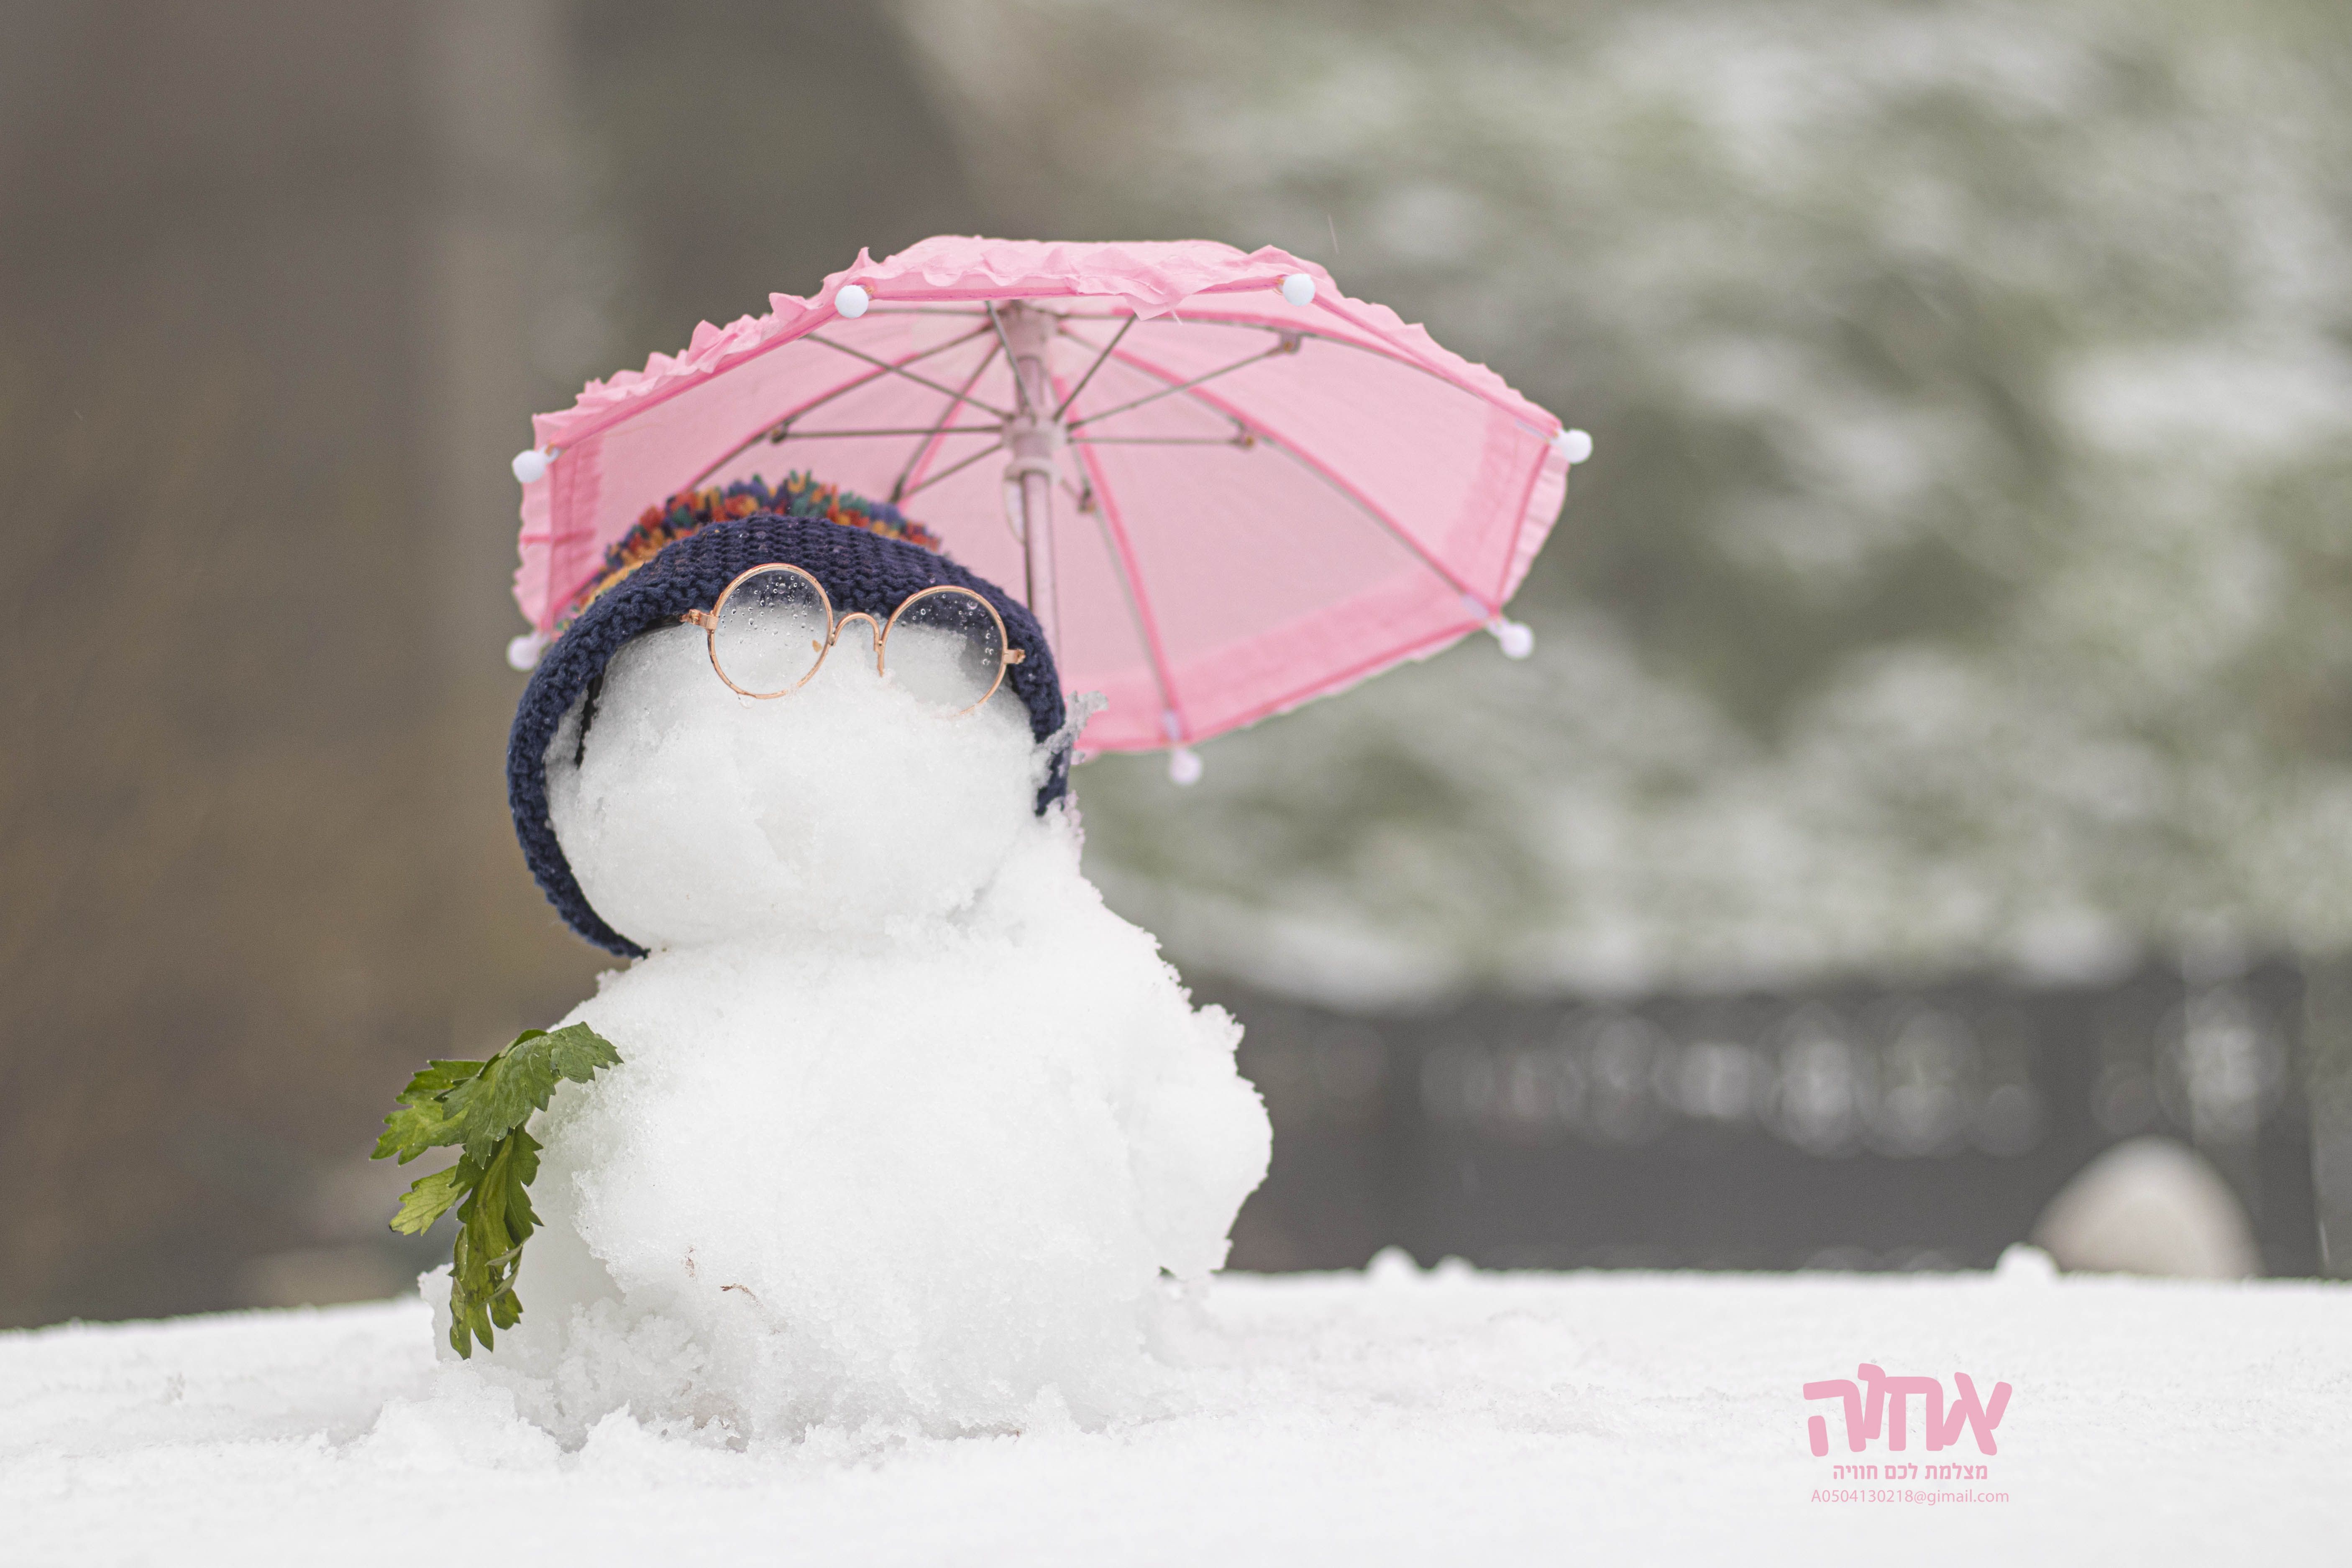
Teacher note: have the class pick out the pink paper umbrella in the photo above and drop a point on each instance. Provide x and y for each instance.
(1224, 487)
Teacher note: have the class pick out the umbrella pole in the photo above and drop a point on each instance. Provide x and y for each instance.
(1034, 435)
(1037, 553)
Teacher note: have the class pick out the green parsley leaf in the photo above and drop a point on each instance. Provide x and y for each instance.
(421, 1121)
(480, 1107)
(430, 1197)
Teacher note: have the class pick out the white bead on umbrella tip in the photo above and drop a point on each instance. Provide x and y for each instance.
(1574, 445)
(851, 300)
(1184, 767)
(1298, 289)
(531, 466)
(523, 652)
(1516, 637)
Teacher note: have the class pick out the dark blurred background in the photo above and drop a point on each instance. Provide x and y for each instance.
(1936, 769)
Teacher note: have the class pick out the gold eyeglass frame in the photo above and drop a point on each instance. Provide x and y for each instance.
(1007, 655)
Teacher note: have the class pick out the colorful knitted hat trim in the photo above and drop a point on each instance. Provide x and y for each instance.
(687, 511)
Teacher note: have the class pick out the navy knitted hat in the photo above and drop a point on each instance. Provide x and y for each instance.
(861, 570)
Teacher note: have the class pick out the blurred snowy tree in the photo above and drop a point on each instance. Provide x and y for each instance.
(1964, 572)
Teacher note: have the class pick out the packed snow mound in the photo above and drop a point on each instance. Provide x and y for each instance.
(909, 1130)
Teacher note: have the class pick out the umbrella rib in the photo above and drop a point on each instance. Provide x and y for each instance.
(910, 376)
(1239, 440)
(1288, 345)
(924, 448)
(1281, 444)
(767, 432)
(1403, 361)
(950, 471)
(896, 430)
(1100, 358)
(1138, 607)
(1369, 510)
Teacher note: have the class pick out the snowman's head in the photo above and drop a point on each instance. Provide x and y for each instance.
(661, 807)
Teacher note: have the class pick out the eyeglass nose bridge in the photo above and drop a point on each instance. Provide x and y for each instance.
(841, 624)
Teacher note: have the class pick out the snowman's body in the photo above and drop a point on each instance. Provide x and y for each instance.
(909, 1128)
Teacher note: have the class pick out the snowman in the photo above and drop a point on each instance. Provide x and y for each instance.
(908, 1130)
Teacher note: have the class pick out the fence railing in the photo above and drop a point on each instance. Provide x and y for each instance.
(1862, 1126)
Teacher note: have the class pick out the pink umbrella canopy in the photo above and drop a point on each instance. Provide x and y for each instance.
(1226, 487)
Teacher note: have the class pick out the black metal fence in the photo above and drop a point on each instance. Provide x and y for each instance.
(1866, 1127)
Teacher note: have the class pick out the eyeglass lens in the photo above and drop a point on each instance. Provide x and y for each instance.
(947, 648)
(770, 633)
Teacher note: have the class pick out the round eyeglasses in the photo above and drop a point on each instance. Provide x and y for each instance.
(774, 624)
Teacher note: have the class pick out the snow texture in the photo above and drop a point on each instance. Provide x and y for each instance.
(909, 1129)
(1398, 1417)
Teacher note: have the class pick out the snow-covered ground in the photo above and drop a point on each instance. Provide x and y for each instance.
(1403, 1416)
